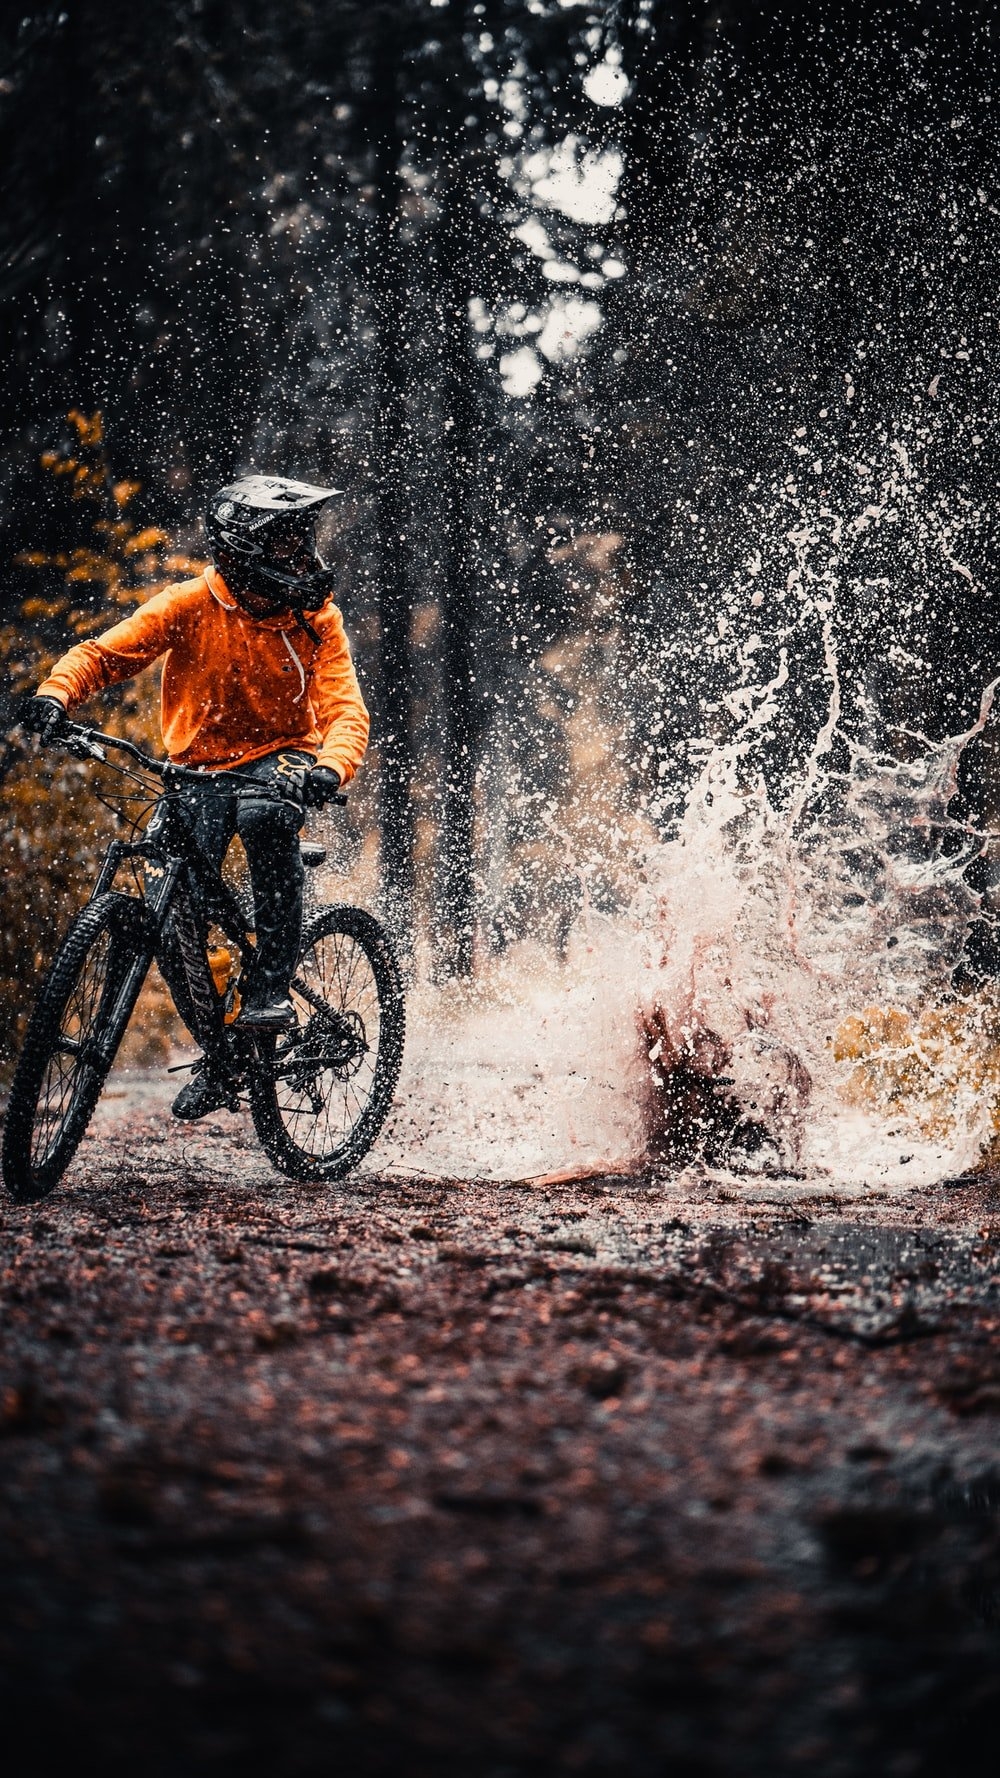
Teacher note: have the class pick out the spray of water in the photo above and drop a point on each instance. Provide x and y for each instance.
(808, 955)
(777, 992)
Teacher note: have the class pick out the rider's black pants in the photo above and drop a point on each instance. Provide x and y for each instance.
(270, 834)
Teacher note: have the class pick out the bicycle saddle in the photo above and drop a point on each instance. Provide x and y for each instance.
(312, 853)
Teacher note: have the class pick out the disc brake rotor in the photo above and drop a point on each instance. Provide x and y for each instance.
(337, 1042)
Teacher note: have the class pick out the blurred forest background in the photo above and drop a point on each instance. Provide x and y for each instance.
(654, 344)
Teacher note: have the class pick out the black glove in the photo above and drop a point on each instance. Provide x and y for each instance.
(44, 716)
(321, 784)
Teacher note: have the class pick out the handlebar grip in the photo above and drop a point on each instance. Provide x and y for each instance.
(72, 737)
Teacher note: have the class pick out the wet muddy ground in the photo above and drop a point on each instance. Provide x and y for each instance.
(677, 1474)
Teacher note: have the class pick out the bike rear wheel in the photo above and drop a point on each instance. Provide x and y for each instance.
(323, 1090)
(73, 1035)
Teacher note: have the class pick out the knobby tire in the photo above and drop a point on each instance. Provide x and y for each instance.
(321, 1094)
(59, 1076)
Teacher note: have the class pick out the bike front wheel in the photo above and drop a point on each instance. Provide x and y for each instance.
(71, 1041)
(323, 1090)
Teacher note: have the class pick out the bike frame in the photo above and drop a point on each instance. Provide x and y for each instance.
(174, 866)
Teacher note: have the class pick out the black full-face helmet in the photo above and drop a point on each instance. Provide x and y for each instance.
(262, 534)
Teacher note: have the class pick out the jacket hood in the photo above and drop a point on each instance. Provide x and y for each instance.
(285, 620)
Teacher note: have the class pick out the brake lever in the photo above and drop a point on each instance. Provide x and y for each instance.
(81, 746)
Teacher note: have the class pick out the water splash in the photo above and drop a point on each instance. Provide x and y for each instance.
(779, 927)
(776, 986)
(535, 1068)
(779, 993)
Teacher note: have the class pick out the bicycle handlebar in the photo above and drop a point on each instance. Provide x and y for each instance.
(89, 743)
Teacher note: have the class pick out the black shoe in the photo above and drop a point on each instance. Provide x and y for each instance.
(270, 1013)
(204, 1093)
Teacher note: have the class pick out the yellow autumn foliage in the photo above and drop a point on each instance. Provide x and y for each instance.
(148, 539)
(89, 428)
(53, 829)
(925, 1065)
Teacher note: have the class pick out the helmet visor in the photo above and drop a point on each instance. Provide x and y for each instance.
(292, 553)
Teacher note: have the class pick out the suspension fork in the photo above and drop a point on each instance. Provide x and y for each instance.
(164, 895)
(128, 989)
(173, 886)
(161, 878)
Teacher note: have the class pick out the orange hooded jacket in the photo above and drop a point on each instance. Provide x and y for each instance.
(234, 687)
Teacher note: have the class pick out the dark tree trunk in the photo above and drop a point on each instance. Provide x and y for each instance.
(455, 909)
(387, 295)
(461, 238)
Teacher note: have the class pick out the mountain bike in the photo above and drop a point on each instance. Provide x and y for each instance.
(319, 1091)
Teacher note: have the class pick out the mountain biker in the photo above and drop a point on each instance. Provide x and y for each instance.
(257, 675)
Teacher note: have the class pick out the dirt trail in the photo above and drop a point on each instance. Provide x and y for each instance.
(678, 1473)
